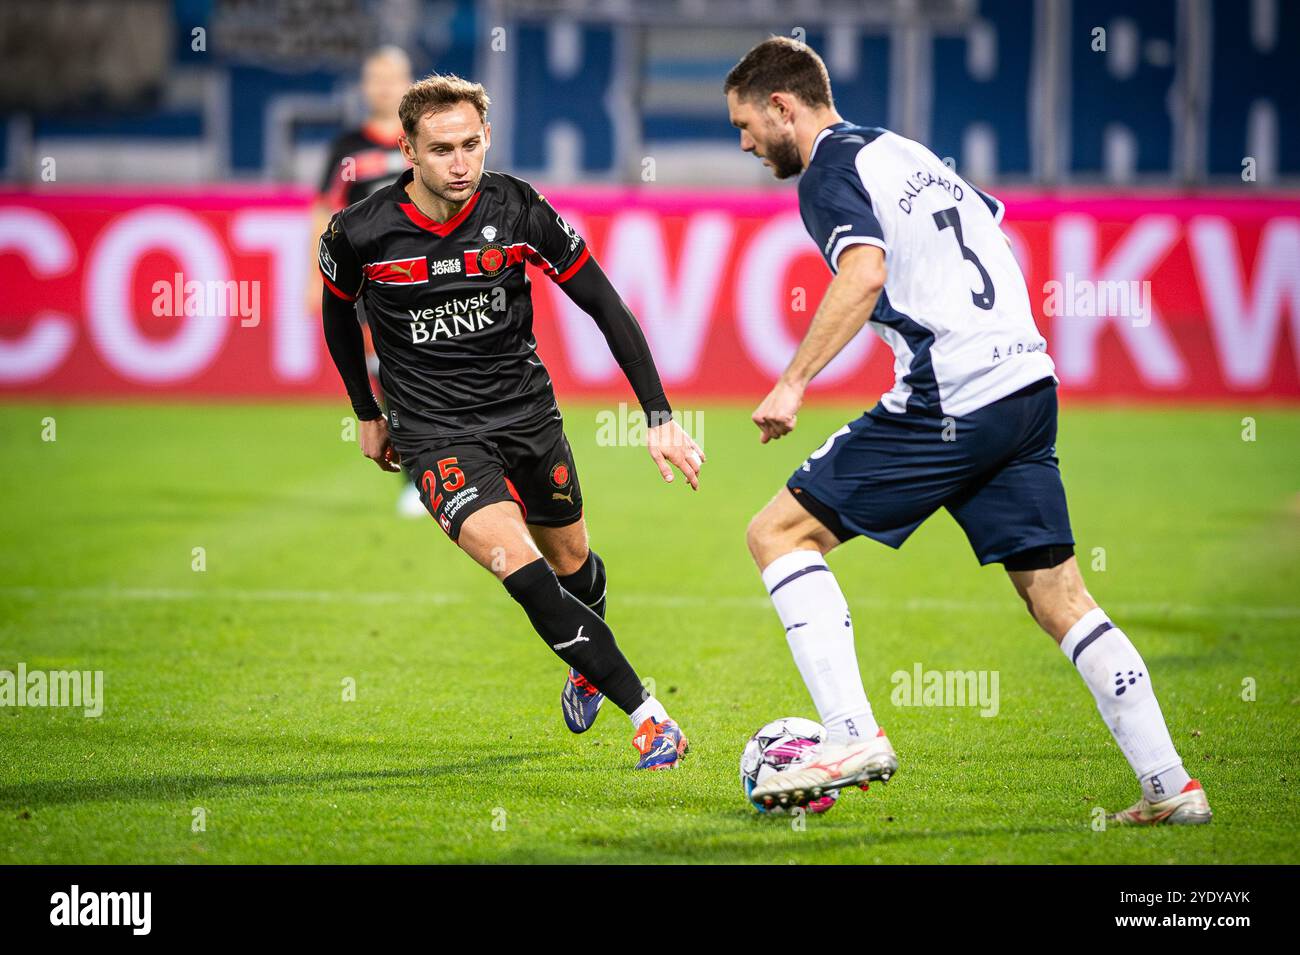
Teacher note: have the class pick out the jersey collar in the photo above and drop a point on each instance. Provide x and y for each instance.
(822, 135)
(424, 222)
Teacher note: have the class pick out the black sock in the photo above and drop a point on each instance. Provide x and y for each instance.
(575, 632)
(587, 583)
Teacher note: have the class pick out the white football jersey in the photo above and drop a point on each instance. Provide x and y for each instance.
(954, 309)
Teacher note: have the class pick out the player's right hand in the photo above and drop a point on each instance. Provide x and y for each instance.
(373, 438)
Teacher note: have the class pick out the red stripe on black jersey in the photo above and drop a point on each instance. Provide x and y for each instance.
(572, 270)
(492, 260)
(398, 271)
(336, 290)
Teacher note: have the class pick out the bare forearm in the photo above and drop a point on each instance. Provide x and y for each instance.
(841, 315)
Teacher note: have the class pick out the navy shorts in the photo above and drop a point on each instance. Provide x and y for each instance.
(995, 470)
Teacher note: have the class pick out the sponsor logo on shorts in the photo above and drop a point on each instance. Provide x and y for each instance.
(459, 500)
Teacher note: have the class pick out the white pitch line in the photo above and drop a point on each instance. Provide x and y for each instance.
(1010, 606)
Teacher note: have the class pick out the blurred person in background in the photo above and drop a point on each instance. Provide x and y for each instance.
(362, 161)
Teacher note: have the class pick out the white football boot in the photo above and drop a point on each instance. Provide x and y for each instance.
(832, 767)
(1187, 808)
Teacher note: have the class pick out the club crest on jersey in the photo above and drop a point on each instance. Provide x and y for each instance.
(492, 258)
(560, 474)
(398, 271)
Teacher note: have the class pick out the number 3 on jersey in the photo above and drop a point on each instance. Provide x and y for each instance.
(948, 218)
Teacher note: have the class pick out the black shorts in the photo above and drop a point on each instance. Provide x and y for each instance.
(528, 462)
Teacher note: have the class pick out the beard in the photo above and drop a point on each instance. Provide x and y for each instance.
(783, 154)
(445, 192)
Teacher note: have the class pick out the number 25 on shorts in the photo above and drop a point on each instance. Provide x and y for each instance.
(453, 479)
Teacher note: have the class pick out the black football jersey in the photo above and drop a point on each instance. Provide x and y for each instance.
(449, 304)
(360, 163)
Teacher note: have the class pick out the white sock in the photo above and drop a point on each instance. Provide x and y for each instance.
(820, 633)
(1121, 685)
(650, 708)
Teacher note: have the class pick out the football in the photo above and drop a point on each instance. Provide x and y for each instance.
(774, 747)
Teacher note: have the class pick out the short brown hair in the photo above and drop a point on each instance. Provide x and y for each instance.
(781, 65)
(437, 92)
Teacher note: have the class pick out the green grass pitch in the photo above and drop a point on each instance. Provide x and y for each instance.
(225, 687)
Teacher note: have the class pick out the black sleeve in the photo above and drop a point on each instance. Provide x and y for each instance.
(339, 265)
(348, 349)
(592, 292)
(556, 247)
(343, 279)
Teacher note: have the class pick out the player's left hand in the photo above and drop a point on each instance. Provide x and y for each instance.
(669, 444)
(778, 412)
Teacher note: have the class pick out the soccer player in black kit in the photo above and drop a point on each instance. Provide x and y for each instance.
(439, 260)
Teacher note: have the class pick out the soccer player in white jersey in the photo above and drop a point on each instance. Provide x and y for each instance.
(969, 425)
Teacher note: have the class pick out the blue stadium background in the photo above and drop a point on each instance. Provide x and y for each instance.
(1185, 94)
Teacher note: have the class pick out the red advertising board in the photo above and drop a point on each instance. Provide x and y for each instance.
(204, 293)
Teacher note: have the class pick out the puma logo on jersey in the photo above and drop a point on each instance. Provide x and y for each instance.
(413, 271)
(578, 639)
